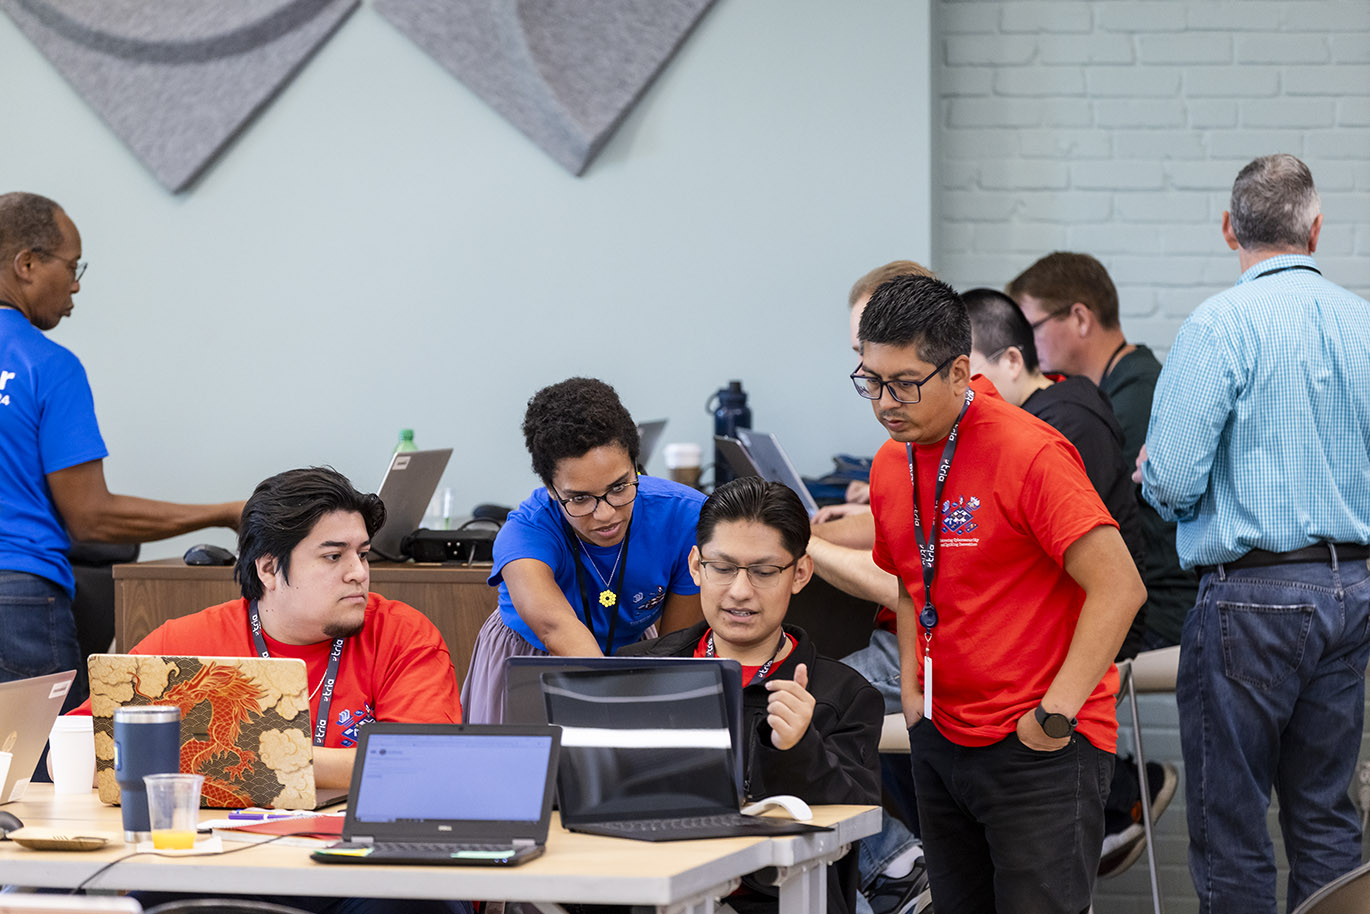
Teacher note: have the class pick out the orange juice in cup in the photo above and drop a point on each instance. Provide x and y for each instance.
(173, 839)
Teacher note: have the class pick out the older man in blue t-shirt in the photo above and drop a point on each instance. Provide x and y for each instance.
(52, 478)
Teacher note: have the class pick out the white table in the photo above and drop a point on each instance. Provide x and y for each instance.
(675, 877)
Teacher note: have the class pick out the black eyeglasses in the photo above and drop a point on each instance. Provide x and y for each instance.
(1037, 325)
(77, 267)
(616, 496)
(873, 388)
(759, 575)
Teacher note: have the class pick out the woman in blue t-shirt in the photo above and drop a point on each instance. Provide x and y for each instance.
(591, 561)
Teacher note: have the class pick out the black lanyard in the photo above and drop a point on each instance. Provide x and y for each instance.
(1292, 266)
(761, 670)
(1109, 366)
(330, 676)
(927, 548)
(573, 542)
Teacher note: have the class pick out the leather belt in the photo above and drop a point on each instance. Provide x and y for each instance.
(1259, 558)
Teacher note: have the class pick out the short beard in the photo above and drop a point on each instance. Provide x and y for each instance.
(343, 630)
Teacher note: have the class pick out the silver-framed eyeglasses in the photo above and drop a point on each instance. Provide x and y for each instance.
(77, 267)
(902, 390)
(760, 576)
(616, 496)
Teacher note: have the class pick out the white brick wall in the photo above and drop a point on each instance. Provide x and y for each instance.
(1116, 127)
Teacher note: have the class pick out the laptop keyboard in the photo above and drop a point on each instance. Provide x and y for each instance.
(680, 824)
(434, 848)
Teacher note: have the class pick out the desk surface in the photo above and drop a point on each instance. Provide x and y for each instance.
(575, 868)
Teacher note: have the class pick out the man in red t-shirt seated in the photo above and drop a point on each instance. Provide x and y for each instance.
(303, 567)
(1018, 590)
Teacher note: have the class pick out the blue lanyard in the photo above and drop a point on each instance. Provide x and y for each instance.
(927, 547)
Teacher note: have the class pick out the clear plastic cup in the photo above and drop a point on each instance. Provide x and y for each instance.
(173, 807)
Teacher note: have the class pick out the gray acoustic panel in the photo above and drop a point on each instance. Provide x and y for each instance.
(565, 72)
(177, 81)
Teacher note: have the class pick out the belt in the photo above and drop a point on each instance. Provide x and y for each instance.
(1259, 558)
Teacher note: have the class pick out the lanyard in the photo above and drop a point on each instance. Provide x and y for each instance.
(330, 676)
(1109, 366)
(762, 670)
(1292, 266)
(586, 616)
(927, 547)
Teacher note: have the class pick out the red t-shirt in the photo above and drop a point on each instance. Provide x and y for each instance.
(396, 668)
(748, 672)
(1016, 497)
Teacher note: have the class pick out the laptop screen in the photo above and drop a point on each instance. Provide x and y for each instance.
(463, 776)
(642, 743)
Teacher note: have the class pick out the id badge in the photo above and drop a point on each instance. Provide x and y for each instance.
(927, 686)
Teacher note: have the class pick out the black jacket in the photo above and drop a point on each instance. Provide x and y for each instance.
(835, 761)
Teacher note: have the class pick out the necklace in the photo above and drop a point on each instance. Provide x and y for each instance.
(607, 597)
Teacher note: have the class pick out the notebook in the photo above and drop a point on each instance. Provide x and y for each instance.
(775, 466)
(523, 703)
(28, 708)
(450, 794)
(245, 725)
(407, 489)
(646, 754)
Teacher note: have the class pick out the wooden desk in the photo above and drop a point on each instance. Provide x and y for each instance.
(684, 876)
(455, 597)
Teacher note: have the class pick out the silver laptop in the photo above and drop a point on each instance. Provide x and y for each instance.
(649, 436)
(28, 708)
(449, 794)
(774, 464)
(407, 489)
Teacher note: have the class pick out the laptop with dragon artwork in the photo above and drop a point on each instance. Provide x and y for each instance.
(245, 725)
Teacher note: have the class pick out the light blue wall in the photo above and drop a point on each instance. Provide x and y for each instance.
(380, 250)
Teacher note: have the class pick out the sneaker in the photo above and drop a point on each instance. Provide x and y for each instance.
(906, 895)
(1124, 837)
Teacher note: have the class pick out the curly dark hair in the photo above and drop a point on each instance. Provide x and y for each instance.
(572, 418)
(282, 511)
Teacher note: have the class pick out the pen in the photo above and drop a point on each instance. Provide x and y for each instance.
(260, 816)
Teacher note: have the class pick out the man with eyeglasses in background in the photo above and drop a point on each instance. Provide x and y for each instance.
(812, 725)
(52, 478)
(1018, 591)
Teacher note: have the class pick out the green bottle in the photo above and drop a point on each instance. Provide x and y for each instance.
(406, 441)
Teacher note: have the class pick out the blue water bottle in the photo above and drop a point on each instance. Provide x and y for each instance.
(730, 415)
(147, 740)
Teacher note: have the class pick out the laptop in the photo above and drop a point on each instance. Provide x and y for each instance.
(646, 754)
(774, 464)
(28, 708)
(450, 794)
(523, 703)
(407, 489)
(245, 725)
(736, 456)
(649, 436)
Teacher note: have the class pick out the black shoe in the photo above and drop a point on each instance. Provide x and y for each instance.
(906, 895)
(1124, 837)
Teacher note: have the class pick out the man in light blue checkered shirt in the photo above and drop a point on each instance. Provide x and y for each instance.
(1259, 446)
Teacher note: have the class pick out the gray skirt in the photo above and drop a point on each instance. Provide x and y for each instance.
(482, 695)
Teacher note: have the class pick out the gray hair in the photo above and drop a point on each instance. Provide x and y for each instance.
(27, 221)
(1274, 203)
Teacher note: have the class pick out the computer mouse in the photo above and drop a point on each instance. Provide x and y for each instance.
(208, 554)
(8, 823)
(797, 808)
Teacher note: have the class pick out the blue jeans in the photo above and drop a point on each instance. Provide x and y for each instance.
(1008, 828)
(879, 663)
(1271, 693)
(39, 629)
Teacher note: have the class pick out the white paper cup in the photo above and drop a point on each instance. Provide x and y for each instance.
(71, 747)
(683, 460)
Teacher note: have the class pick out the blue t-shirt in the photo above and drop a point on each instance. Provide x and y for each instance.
(664, 517)
(47, 423)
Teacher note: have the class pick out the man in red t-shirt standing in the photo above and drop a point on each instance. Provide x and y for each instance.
(1018, 590)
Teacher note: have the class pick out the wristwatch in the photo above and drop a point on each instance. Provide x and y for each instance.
(1056, 726)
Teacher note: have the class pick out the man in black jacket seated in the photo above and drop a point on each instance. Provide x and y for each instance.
(812, 725)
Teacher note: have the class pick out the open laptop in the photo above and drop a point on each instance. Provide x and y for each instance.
(774, 464)
(452, 794)
(28, 708)
(523, 702)
(407, 489)
(646, 754)
(649, 436)
(245, 725)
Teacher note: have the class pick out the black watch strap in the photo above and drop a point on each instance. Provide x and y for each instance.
(1056, 726)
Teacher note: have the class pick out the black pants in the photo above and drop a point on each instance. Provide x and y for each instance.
(1009, 829)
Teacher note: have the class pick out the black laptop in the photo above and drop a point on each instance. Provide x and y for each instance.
(453, 794)
(647, 754)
